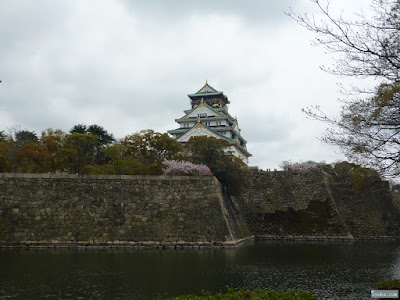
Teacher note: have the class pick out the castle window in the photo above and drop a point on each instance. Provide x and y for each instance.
(202, 115)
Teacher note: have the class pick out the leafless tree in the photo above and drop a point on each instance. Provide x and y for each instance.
(368, 128)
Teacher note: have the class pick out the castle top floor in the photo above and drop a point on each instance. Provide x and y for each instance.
(209, 95)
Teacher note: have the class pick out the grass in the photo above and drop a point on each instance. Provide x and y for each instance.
(244, 294)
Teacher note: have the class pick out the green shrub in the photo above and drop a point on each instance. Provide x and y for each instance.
(244, 294)
(393, 284)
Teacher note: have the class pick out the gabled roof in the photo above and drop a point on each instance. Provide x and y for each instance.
(207, 89)
(203, 128)
(218, 113)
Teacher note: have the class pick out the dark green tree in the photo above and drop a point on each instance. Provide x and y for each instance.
(105, 138)
(229, 169)
(79, 128)
(23, 137)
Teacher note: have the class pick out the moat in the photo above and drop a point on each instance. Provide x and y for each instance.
(331, 270)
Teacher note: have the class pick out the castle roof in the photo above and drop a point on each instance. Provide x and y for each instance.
(208, 91)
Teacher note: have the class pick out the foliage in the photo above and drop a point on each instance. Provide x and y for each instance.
(37, 154)
(79, 128)
(307, 165)
(368, 127)
(78, 151)
(12, 150)
(5, 165)
(119, 164)
(150, 149)
(8, 155)
(52, 141)
(362, 179)
(104, 138)
(144, 153)
(24, 137)
(228, 169)
(368, 130)
(393, 284)
(256, 294)
(206, 150)
(185, 168)
(3, 136)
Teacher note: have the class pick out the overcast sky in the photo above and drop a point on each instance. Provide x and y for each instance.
(128, 65)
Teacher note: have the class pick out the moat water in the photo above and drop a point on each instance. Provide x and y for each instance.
(347, 270)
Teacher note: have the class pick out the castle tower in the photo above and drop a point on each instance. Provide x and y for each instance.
(209, 116)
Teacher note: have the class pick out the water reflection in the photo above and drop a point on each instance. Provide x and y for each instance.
(330, 270)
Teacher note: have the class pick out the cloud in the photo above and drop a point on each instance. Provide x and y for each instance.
(254, 11)
(129, 65)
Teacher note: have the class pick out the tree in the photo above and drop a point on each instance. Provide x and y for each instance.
(367, 47)
(79, 128)
(78, 151)
(24, 137)
(151, 148)
(52, 141)
(119, 163)
(206, 150)
(3, 136)
(368, 131)
(307, 165)
(35, 153)
(105, 138)
(368, 127)
(5, 164)
(228, 169)
(362, 179)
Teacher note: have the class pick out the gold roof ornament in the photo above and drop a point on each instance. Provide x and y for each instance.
(198, 119)
(202, 100)
(206, 82)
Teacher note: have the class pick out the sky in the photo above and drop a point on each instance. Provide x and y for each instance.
(128, 65)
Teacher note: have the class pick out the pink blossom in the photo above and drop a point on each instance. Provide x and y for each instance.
(174, 167)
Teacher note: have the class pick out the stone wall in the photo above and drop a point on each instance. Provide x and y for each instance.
(368, 212)
(136, 210)
(148, 211)
(311, 204)
(291, 204)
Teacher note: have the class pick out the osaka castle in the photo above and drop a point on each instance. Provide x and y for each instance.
(209, 117)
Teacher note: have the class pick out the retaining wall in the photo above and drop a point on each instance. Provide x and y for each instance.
(120, 210)
(311, 204)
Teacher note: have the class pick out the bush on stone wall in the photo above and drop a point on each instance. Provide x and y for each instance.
(362, 179)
